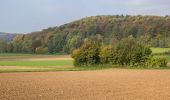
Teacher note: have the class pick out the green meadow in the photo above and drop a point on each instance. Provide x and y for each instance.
(37, 63)
(159, 50)
(10, 62)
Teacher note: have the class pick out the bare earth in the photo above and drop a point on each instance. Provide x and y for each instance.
(112, 84)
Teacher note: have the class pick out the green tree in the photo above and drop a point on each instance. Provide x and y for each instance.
(35, 44)
(87, 55)
(3, 46)
(129, 52)
(41, 50)
(108, 55)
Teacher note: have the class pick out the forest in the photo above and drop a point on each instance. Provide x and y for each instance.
(153, 31)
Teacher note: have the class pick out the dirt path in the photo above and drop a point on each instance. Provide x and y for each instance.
(114, 84)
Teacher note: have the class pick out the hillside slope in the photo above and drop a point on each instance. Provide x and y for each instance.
(106, 29)
(7, 36)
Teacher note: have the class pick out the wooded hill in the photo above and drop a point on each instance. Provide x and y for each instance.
(150, 30)
(7, 36)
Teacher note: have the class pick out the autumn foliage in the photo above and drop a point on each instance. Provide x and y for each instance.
(126, 53)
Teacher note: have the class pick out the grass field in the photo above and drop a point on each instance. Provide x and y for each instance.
(35, 63)
(159, 50)
(38, 63)
(30, 62)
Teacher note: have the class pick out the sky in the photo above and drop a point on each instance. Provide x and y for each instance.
(24, 16)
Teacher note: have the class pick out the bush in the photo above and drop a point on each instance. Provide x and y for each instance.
(107, 55)
(131, 53)
(127, 53)
(157, 62)
(87, 54)
(79, 57)
(41, 50)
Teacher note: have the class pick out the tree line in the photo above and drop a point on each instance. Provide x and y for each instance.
(108, 30)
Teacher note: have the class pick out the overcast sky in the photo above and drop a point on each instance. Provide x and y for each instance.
(33, 15)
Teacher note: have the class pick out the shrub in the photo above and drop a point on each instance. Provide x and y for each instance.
(79, 57)
(157, 62)
(131, 53)
(107, 55)
(87, 54)
(41, 50)
(128, 53)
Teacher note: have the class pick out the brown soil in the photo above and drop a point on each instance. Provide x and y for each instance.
(113, 84)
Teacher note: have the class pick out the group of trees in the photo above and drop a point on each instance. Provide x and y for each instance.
(4, 46)
(151, 30)
(127, 53)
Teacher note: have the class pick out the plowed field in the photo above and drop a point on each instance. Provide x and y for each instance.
(111, 84)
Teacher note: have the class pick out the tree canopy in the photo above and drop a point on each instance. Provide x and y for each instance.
(108, 30)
